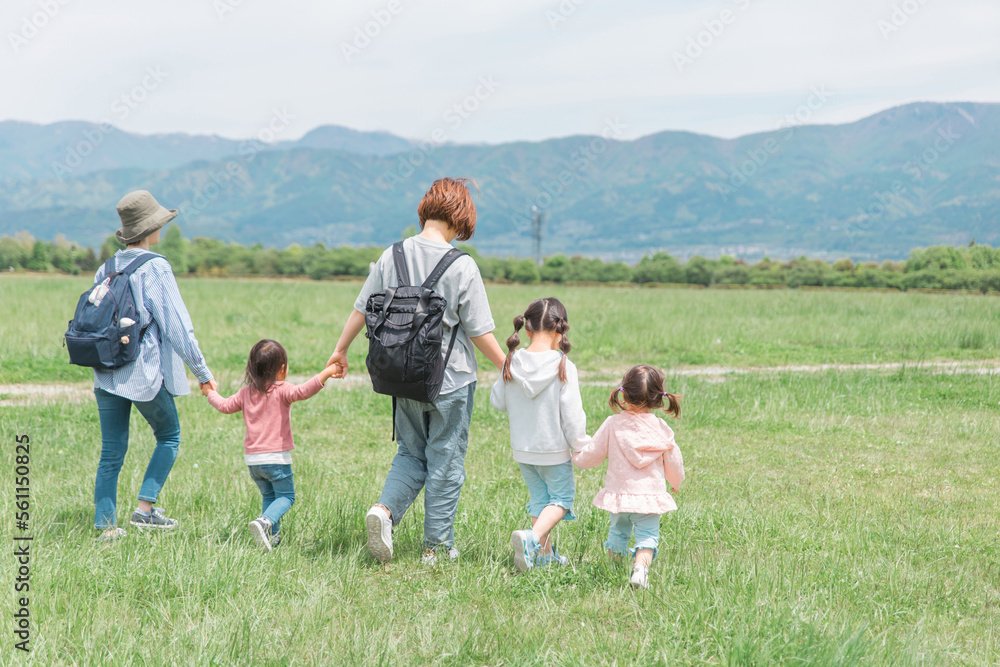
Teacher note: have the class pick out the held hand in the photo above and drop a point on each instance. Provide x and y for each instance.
(330, 372)
(339, 361)
(208, 386)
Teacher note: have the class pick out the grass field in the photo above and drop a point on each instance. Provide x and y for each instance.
(833, 517)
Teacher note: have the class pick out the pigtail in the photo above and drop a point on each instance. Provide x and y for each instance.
(673, 404)
(562, 327)
(512, 344)
(615, 401)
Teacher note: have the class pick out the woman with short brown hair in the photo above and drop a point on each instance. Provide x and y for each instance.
(432, 437)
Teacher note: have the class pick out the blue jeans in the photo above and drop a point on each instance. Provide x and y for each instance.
(549, 485)
(647, 532)
(114, 412)
(277, 487)
(432, 440)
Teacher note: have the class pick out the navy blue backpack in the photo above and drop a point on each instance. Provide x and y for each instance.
(97, 337)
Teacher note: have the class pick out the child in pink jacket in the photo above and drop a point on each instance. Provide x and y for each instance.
(642, 458)
(266, 403)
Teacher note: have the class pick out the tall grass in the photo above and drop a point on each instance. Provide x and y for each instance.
(828, 518)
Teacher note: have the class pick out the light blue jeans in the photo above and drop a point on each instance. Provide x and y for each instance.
(549, 485)
(432, 439)
(277, 488)
(647, 532)
(114, 412)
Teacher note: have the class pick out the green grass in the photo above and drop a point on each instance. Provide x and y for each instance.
(828, 518)
(671, 328)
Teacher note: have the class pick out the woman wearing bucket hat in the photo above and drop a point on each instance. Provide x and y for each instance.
(151, 382)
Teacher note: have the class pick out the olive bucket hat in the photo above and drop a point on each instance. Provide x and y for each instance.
(141, 215)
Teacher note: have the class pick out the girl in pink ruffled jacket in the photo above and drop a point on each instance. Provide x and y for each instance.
(642, 457)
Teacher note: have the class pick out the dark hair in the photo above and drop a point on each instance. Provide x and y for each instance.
(642, 387)
(449, 200)
(541, 315)
(265, 362)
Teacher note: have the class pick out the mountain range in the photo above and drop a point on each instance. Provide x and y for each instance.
(914, 175)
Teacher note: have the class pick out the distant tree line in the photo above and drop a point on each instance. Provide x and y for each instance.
(973, 267)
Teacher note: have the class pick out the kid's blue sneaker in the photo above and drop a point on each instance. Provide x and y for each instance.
(155, 520)
(544, 560)
(525, 549)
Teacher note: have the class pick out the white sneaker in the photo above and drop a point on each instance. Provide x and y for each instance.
(640, 576)
(111, 535)
(260, 529)
(525, 549)
(379, 534)
(430, 556)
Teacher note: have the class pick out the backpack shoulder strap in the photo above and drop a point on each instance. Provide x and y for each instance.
(109, 267)
(139, 261)
(399, 261)
(441, 267)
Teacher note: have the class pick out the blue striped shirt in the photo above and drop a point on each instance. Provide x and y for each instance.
(169, 342)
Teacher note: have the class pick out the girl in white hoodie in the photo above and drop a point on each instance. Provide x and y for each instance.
(540, 391)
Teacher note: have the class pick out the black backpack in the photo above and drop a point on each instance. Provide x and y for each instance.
(96, 336)
(404, 326)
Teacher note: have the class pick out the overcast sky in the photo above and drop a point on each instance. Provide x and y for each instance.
(519, 69)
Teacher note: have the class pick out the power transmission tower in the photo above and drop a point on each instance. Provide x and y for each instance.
(537, 218)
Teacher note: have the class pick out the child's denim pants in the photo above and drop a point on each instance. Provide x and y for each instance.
(647, 532)
(432, 440)
(277, 489)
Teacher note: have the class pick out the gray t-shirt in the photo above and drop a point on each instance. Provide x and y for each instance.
(463, 289)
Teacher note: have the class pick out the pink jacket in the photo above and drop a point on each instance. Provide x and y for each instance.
(642, 457)
(268, 417)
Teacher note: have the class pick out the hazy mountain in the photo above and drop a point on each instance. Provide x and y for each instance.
(74, 148)
(335, 137)
(914, 175)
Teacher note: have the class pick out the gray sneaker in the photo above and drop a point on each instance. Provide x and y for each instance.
(275, 540)
(260, 529)
(155, 520)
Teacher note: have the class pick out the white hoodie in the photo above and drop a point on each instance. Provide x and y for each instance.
(546, 415)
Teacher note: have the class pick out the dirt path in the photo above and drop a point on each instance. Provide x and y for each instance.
(984, 367)
(12, 395)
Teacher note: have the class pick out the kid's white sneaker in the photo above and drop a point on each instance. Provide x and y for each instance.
(525, 549)
(379, 534)
(430, 556)
(640, 576)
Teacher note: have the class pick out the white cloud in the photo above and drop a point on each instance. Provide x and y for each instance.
(227, 74)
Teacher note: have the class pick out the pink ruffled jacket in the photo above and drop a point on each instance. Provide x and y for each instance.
(642, 458)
